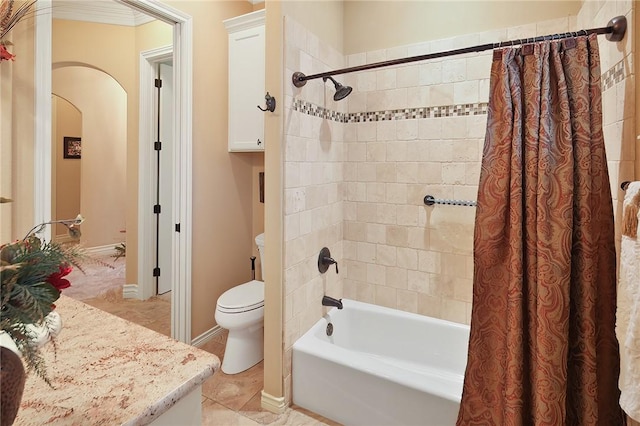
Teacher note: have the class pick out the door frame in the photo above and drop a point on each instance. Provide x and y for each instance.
(181, 210)
(149, 59)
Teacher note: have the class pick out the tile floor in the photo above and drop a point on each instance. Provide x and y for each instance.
(228, 400)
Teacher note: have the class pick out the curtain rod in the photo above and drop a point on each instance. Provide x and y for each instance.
(614, 30)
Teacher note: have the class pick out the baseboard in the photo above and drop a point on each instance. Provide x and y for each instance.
(130, 291)
(274, 404)
(64, 239)
(100, 250)
(206, 336)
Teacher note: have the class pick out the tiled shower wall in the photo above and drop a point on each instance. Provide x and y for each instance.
(618, 95)
(421, 133)
(313, 185)
(355, 178)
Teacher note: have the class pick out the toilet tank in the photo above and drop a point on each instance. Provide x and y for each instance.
(260, 244)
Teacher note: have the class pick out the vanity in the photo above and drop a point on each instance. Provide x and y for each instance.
(106, 370)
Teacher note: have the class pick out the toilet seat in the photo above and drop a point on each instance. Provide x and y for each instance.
(242, 298)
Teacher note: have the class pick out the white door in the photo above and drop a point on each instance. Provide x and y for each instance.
(165, 178)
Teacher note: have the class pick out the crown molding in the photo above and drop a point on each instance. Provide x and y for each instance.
(100, 11)
(245, 21)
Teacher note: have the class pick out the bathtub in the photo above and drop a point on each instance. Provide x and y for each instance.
(381, 366)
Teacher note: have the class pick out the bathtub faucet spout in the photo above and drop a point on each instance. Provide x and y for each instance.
(330, 301)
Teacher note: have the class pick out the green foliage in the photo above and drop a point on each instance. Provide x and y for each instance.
(121, 251)
(27, 297)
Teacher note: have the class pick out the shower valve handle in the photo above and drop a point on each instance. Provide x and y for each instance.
(325, 260)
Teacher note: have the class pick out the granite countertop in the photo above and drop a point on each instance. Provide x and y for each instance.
(107, 371)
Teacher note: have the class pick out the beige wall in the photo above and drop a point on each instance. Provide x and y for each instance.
(103, 185)
(324, 18)
(226, 214)
(374, 25)
(115, 49)
(67, 121)
(111, 49)
(17, 134)
(223, 202)
(636, 53)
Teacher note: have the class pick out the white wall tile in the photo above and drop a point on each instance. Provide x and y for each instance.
(407, 129)
(430, 73)
(479, 67)
(407, 258)
(408, 76)
(385, 296)
(386, 79)
(366, 131)
(407, 300)
(454, 70)
(396, 193)
(418, 97)
(441, 94)
(366, 81)
(376, 274)
(465, 92)
(386, 130)
(376, 151)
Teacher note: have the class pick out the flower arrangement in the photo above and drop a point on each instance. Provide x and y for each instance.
(32, 276)
(9, 17)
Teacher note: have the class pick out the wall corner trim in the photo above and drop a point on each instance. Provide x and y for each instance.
(274, 404)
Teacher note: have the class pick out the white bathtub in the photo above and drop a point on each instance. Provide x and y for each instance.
(381, 366)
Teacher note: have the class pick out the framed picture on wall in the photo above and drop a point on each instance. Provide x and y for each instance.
(72, 147)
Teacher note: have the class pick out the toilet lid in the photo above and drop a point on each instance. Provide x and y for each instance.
(243, 297)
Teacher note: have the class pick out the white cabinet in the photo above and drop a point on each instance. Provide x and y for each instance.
(246, 81)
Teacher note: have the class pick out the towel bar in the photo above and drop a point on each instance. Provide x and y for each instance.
(429, 200)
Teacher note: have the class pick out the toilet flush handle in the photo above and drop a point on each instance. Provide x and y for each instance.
(253, 267)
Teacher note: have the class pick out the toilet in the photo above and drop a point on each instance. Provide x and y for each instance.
(241, 311)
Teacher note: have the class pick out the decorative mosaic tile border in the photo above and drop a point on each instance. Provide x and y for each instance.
(422, 112)
(613, 75)
(318, 111)
(394, 114)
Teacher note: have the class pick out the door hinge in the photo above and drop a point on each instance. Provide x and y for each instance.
(158, 82)
(177, 227)
(156, 209)
(157, 145)
(156, 272)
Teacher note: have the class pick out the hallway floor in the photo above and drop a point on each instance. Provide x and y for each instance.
(228, 400)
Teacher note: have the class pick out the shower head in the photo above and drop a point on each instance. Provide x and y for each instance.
(341, 91)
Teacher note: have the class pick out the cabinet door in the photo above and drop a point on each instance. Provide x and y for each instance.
(246, 89)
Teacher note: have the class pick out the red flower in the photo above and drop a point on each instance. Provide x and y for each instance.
(56, 279)
(5, 55)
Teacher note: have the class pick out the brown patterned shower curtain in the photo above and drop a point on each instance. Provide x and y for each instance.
(542, 349)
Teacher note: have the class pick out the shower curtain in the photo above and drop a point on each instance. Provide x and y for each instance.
(542, 349)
